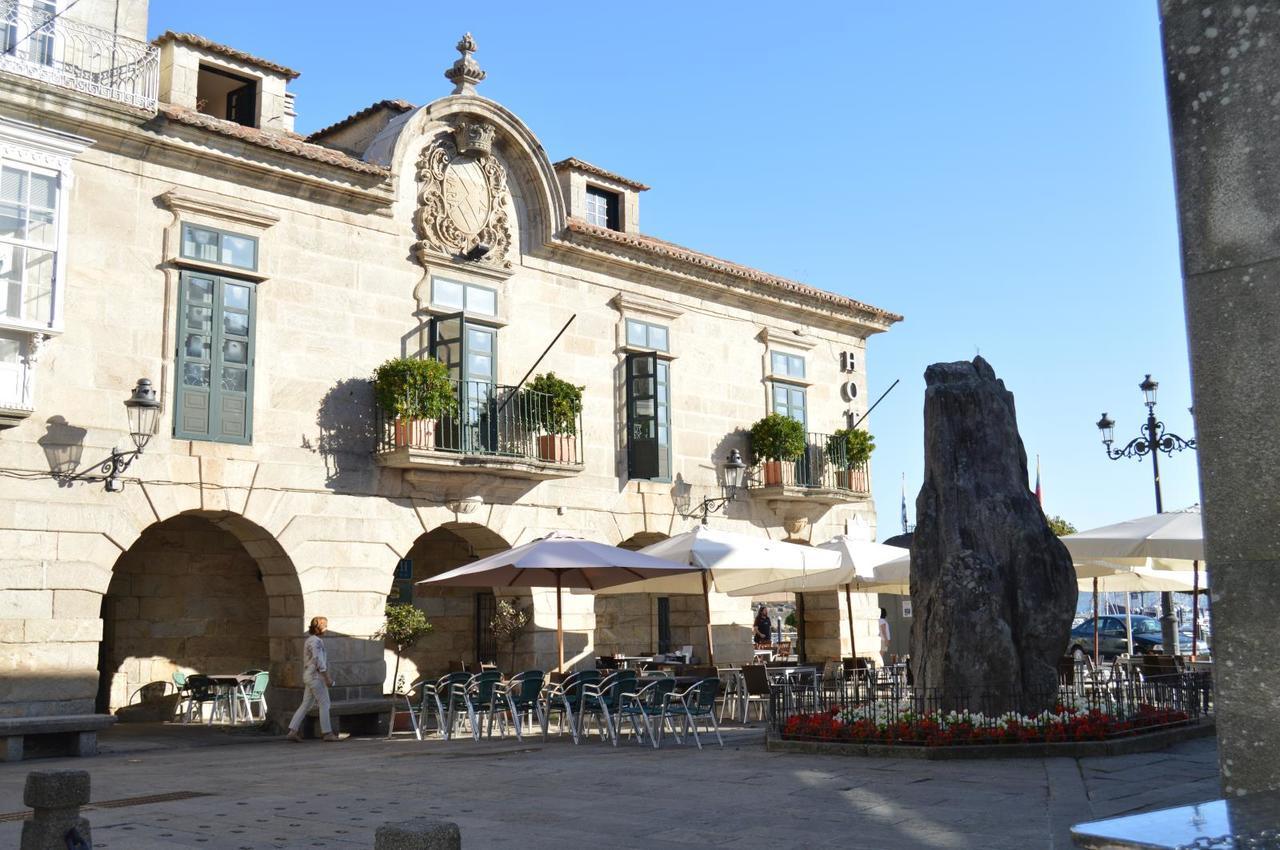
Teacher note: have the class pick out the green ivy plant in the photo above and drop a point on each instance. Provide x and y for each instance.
(553, 404)
(777, 437)
(409, 388)
(404, 626)
(849, 447)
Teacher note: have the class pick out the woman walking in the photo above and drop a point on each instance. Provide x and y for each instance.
(316, 682)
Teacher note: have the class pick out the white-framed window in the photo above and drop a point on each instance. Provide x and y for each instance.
(28, 242)
(464, 297)
(27, 30)
(603, 208)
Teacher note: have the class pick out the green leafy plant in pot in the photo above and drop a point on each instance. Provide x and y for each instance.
(776, 438)
(404, 626)
(552, 406)
(849, 450)
(506, 624)
(416, 394)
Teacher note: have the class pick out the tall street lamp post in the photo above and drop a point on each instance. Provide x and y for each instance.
(1152, 440)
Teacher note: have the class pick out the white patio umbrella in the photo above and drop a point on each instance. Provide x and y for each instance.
(726, 561)
(1165, 541)
(559, 560)
(864, 566)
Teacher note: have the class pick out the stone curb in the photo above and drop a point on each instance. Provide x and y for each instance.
(1144, 743)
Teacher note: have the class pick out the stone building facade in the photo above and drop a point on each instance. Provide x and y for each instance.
(163, 220)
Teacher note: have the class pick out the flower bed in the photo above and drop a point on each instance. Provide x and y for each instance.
(867, 725)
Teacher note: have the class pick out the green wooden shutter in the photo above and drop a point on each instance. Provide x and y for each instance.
(642, 422)
(214, 395)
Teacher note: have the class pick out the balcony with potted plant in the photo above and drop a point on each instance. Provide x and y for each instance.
(793, 465)
(425, 420)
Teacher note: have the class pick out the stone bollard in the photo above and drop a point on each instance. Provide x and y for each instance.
(55, 797)
(416, 834)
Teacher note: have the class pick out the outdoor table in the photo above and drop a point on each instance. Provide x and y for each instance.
(230, 684)
(625, 661)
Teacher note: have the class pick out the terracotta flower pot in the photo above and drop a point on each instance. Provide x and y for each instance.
(772, 473)
(415, 433)
(558, 448)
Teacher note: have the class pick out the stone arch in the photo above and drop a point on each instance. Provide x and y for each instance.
(455, 613)
(196, 591)
(635, 623)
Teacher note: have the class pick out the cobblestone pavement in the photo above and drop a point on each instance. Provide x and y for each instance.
(271, 794)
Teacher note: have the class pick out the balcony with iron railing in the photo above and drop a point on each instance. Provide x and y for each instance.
(499, 429)
(55, 49)
(822, 475)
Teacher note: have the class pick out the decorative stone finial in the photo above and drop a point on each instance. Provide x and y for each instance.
(465, 72)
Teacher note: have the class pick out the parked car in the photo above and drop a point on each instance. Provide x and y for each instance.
(1113, 641)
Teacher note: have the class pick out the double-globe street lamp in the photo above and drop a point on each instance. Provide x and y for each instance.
(1152, 440)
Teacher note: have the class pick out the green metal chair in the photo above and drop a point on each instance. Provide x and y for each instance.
(254, 694)
(184, 695)
(479, 698)
(696, 703)
(646, 706)
(446, 701)
(566, 698)
(417, 714)
(602, 701)
(520, 695)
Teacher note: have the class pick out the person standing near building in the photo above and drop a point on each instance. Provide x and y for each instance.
(316, 682)
(884, 638)
(763, 627)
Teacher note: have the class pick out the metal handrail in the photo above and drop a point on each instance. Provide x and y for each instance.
(77, 56)
(491, 420)
(822, 466)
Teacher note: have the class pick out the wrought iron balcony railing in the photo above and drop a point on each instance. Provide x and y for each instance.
(492, 420)
(67, 53)
(823, 466)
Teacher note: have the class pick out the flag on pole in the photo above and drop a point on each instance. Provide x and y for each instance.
(1039, 492)
(904, 503)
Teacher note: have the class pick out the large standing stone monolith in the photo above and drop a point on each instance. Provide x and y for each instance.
(1222, 68)
(993, 589)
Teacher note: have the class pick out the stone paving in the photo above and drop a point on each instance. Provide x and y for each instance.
(265, 793)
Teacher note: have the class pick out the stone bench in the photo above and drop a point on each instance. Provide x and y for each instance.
(58, 735)
(353, 716)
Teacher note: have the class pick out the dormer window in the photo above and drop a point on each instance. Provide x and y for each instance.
(602, 208)
(222, 94)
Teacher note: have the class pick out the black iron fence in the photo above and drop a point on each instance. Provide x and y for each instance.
(859, 711)
(491, 420)
(823, 465)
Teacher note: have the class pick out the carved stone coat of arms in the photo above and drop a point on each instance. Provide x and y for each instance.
(462, 199)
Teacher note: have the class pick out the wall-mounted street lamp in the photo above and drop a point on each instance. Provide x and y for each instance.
(143, 409)
(1152, 440)
(735, 477)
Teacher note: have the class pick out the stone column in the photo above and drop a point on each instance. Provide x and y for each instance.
(1222, 67)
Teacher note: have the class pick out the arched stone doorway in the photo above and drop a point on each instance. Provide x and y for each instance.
(642, 623)
(459, 616)
(204, 591)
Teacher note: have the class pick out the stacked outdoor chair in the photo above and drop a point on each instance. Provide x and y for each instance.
(565, 697)
(478, 698)
(449, 705)
(601, 701)
(646, 709)
(521, 695)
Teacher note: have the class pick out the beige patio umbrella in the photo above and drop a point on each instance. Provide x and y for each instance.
(864, 566)
(559, 560)
(726, 561)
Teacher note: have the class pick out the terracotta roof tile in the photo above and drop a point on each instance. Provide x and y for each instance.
(400, 106)
(285, 143)
(230, 52)
(574, 162)
(673, 251)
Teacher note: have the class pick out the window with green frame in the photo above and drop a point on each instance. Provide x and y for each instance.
(648, 416)
(786, 365)
(215, 354)
(210, 245)
(789, 400)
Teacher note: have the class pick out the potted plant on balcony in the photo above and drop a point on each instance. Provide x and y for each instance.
(849, 450)
(552, 406)
(415, 394)
(776, 438)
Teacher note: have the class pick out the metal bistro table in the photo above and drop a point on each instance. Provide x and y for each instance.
(231, 685)
(625, 661)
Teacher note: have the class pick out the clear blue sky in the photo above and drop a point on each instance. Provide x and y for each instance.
(999, 173)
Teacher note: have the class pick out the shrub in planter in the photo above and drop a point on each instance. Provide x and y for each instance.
(416, 394)
(552, 406)
(776, 438)
(848, 450)
(404, 626)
